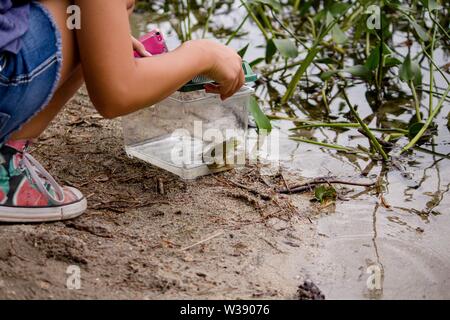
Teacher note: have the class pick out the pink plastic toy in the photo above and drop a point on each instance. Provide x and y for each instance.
(154, 43)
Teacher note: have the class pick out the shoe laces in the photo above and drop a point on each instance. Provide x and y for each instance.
(40, 176)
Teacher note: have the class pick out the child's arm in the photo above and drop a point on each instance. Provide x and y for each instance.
(119, 84)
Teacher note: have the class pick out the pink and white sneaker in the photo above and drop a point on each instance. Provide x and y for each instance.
(28, 193)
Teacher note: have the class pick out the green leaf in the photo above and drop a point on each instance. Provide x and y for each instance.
(338, 8)
(326, 75)
(420, 31)
(336, 32)
(324, 193)
(358, 71)
(271, 49)
(386, 50)
(392, 62)
(338, 35)
(431, 4)
(243, 51)
(414, 129)
(286, 47)
(304, 8)
(373, 60)
(328, 18)
(256, 62)
(262, 122)
(406, 73)
(410, 71)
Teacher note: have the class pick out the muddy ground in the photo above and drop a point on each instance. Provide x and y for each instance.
(140, 237)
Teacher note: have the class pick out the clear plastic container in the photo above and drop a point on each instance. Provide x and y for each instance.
(190, 134)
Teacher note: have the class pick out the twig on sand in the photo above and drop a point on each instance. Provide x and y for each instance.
(160, 186)
(307, 185)
(272, 245)
(114, 205)
(285, 182)
(254, 191)
(202, 241)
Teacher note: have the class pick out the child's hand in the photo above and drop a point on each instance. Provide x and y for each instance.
(139, 48)
(224, 67)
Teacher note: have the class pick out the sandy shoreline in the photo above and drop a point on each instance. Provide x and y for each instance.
(148, 234)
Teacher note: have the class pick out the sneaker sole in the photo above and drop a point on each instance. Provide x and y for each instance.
(45, 214)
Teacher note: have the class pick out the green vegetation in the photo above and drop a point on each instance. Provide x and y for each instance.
(324, 194)
(316, 51)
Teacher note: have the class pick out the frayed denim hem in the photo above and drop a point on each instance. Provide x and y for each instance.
(57, 58)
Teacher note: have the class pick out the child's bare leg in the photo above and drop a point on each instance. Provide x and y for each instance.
(71, 74)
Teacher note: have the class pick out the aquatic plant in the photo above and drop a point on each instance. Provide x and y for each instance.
(318, 50)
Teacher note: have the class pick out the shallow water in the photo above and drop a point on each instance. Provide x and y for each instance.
(403, 239)
(409, 241)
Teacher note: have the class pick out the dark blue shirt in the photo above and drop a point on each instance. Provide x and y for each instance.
(13, 24)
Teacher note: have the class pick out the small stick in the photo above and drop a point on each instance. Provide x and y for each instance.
(307, 186)
(256, 192)
(309, 183)
(160, 186)
(272, 245)
(285, 183)
(202, 241)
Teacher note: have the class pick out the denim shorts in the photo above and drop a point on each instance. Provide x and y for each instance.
(29, 79)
